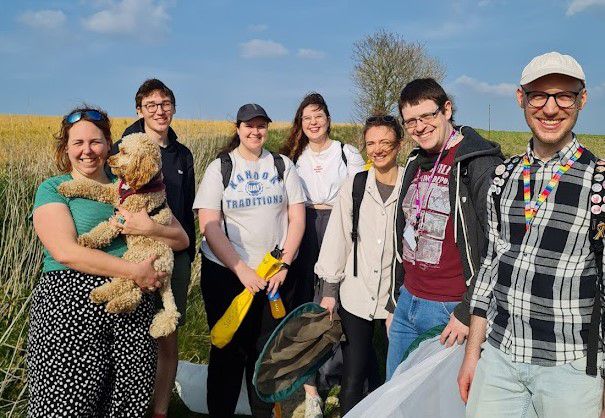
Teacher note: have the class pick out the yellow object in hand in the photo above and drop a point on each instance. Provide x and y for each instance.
(223, 331)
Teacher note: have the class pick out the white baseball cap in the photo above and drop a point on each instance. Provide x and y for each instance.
(552, 63)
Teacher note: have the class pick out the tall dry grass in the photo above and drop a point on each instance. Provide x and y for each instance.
(26, 144)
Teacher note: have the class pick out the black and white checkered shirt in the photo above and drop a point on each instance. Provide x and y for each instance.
(537, 288)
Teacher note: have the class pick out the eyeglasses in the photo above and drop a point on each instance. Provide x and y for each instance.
(90, 114)
(380, 118)
(424, 118)
(152, 107)
(563, 99)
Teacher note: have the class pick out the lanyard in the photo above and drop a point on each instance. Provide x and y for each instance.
(417, 198)
(531, 207)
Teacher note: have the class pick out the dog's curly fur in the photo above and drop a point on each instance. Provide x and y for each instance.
(137, 163)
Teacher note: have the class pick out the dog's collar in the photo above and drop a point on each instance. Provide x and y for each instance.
(155, 185)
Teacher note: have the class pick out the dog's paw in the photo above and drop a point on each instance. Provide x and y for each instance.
(124, 303)
(99, 295)
(164, 323)
(87, 241)
(67, 188)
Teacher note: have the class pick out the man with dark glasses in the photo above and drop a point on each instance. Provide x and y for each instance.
(440, 222)
(155, 106)
(537, 300)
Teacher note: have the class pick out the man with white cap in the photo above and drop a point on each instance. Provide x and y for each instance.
(533, 339)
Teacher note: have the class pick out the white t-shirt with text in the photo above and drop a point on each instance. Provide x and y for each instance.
(255, 204)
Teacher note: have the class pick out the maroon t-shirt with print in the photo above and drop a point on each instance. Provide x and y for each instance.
(434, 270)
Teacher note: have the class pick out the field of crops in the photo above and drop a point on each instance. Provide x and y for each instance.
(26, 144)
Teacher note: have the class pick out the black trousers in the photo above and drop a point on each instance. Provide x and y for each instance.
(306, 283)
(227, 365)
(308, 288)
(360, 364)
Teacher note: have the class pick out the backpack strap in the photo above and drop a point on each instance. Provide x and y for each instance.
(359, 187)
(342, 153)
(226, 169)
(596, 234)
(280, 166)
(502, 175)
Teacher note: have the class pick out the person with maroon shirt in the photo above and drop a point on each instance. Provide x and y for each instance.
(440, 220)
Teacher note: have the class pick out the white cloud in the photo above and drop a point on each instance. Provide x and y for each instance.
(258, 48)
(502, 89)
(597, 91)
(577, 6)
(310, 54)
(144, 18)
(43, 19)
(258, 28)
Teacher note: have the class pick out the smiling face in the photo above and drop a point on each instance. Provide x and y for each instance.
(431, 133)
(382, 146)
(87, 149)
(550, 124)
(315, 123)
(158, 121)
(253, 134)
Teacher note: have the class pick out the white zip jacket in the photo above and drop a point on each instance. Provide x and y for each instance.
(366, 295)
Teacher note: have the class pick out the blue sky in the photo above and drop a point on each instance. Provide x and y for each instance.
(219, 54)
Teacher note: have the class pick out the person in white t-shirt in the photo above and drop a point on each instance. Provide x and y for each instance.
(254, 213)
(323, 165)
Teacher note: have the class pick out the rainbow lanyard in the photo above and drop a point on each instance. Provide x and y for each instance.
(531, 207)
(417, 198)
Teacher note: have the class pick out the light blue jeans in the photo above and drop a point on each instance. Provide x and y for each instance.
(413, 316)
(502, 388)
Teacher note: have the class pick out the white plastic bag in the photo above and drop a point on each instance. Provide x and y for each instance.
(191, 387)
(424, 385)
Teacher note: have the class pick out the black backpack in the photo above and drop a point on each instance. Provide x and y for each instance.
(227, 168)
(597, 232)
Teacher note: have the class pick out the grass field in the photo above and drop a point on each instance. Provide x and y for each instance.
(26, 159)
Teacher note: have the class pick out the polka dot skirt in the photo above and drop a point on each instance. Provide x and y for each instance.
(83, 361)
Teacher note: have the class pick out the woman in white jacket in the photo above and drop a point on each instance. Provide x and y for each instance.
(364, 298)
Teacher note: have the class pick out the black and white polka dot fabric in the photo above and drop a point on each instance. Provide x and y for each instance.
(83, 361)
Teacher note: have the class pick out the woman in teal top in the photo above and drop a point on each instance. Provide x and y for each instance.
(83, 361)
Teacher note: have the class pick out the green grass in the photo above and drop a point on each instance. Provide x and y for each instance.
(26, 159)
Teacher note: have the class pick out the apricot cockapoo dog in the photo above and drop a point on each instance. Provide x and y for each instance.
(138, 167)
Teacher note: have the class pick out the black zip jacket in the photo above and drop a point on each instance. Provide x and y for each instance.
(179, 178)
(470, 177)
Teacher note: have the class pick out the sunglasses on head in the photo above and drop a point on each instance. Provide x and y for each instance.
(380, 118)
(90, 114)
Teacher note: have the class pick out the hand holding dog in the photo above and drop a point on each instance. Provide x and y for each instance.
(134, 223)
(146, 277)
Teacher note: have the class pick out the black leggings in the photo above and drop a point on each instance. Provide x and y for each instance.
(359, 359)
(227, 365)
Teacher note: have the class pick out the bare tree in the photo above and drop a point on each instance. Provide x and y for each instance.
(384, 64)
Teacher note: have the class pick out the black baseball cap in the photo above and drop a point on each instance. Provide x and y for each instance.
(251, 111)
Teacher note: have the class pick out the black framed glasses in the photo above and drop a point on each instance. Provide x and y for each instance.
(424, 118)
(152, 107)
(380, 118)
(90, 114)
(563, 99)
